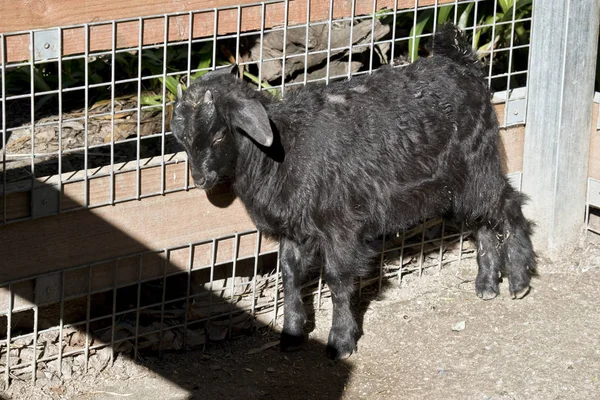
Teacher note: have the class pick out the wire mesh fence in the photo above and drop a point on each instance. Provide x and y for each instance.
(90, 108)
(85, 124)
(66, 322)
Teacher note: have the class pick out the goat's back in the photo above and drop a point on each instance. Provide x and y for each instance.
(386, 149)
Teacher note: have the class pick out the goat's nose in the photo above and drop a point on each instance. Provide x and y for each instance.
(200, 181)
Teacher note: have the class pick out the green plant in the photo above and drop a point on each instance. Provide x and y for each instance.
(152, 61)
(487, 16)
(503, 32)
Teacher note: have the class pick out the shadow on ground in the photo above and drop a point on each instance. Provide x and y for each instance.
(258, 370)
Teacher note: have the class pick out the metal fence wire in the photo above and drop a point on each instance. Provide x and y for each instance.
(95, 109)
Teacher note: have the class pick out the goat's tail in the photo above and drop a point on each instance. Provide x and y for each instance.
(451, 42)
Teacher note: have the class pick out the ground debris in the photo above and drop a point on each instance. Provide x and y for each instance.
(459, 326)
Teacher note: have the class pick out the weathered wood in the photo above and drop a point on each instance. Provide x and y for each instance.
(79, 237)
(559, 119)
(20, 15)
(511, 148)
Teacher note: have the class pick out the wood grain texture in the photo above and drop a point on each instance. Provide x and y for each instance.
(22, 15)
(511, 148)
(79, 237)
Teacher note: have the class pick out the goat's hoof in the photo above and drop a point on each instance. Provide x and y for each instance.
(487, 294)
(290, 342)
(519, 294)
(338, 354)
(339, 349)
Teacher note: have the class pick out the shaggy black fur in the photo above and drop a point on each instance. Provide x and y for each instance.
(328, 167)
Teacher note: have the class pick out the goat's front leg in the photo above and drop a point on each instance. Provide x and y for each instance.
(344, 330)
(294, 316)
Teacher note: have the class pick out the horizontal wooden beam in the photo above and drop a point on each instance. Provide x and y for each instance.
(22, 15)
(53, 243)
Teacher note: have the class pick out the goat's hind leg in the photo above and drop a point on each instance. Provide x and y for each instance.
(293, 266)
(520, 259)
(504, 245)
(490, 259)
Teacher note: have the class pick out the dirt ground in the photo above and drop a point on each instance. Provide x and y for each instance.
(431, 338)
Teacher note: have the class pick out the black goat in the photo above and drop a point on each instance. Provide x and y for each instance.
(330, 167)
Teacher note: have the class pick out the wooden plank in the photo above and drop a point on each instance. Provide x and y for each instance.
(65, 240)
(511, 148)
(18, 205)
(20, 15)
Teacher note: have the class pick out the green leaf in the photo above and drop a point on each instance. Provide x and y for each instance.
(444, 13)
(151, 100)
(506, 4)
(381, 14)
(413, 43)
(508, 14)
(205, 61)
(463, 20)
(264, 84)
(171, 84)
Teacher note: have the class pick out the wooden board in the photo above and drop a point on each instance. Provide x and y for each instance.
(511, 148)
(22, 15)
(79, 237)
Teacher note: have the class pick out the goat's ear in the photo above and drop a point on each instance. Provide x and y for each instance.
(208, 97)
(250, 116)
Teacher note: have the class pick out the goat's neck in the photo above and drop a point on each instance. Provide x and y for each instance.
(257, 181)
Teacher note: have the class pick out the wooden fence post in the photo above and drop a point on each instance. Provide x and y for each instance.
(559, 119)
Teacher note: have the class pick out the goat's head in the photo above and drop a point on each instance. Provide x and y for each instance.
(208, 115)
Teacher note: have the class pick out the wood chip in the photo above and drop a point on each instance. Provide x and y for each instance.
(263, 347)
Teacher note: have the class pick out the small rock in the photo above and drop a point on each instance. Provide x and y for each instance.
(459, 326)
(79, 360)
(59, 390)
(217, 333)
(67, 372)
(570, 366)
(271, 369)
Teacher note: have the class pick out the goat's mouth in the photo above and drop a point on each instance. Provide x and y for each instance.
(205, 186)
(206, 183)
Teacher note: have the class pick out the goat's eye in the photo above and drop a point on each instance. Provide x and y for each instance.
(219, 136)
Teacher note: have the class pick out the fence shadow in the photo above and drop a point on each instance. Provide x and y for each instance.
(68, 319)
